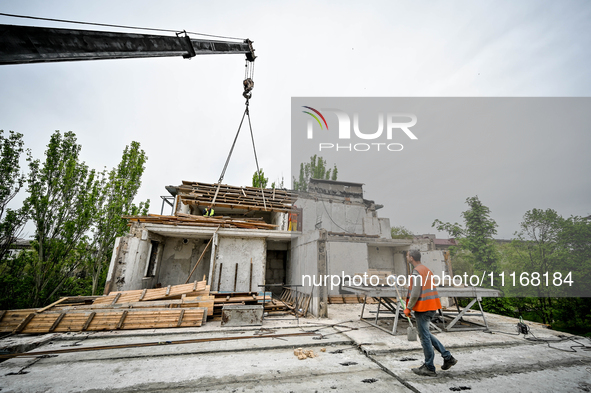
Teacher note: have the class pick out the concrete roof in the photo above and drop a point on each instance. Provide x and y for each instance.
(354, 361)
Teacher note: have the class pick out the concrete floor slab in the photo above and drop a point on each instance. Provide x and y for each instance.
(358, 358)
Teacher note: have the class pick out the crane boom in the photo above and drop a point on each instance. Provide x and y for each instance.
(28, 44)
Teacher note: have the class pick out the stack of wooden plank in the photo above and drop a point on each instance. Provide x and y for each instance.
(348, 299)
(239, 298)
(174, 306)
(248, 198)
(182, 219)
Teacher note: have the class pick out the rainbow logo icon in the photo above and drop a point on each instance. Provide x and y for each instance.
(314, 116)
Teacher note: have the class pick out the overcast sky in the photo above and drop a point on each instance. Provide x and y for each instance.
(185, 113)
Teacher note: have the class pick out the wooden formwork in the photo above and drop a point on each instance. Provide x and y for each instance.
(185, 306)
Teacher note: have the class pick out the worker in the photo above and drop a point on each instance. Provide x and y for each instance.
(208, 212)
(293, 221)
(423, 299)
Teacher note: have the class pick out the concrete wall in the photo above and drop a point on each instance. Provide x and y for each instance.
(435, 261)
(233, 250)
(128, 264)
(309, 258)
(400, 264)
(333, 216)
(385, 228)
(381, 258)
(179, 256)
(344, 258)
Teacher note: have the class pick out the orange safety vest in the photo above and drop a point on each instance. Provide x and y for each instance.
(429, 299)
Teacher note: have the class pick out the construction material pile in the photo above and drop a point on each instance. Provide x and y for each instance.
(182, 219)
(248, 198)
(174, 306)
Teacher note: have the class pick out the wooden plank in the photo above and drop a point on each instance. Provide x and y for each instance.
(57, 322)
(2, 313)
(51, 305)
(24, 323)
(88, 320)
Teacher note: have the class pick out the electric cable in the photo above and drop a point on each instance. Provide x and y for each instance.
(523, 328)
(328, 214)
(118, 26)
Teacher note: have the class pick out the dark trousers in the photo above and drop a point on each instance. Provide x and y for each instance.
(428, 341)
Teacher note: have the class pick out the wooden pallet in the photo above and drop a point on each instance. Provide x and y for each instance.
(186, 302)
(198, 288)
(29, 321)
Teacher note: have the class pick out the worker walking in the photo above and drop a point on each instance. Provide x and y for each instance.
(423, 299)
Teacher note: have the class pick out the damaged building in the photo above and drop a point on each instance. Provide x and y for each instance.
(259, 237)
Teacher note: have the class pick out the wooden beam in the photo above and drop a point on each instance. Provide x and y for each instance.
(202, 254)
(24, 323)
(116, 298)
(57, 322)
(123, 316)
(180, 318)
(88, 320)
(51, 305)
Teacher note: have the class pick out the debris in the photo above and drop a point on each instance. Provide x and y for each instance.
(322, 349)
(348, 364)
(304, 353)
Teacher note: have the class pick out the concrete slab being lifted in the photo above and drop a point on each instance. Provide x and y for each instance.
(358, 358)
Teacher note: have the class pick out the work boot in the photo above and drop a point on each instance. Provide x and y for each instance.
(447, 363)
(423, 370)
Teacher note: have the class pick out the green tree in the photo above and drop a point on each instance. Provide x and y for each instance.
(400, 232)
(63, 199)
(315, 169)
(550, 243)
(11, 182)
(476, 236)
(259, 180)
(118, 191)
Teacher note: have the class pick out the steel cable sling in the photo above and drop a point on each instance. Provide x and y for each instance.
(248, 86)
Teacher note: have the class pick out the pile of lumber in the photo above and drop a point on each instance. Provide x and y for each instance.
(174, 306)
(248, 198)
(222, 299)
(349, 299)
(182, 219)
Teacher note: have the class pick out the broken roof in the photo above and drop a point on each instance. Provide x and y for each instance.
(233, 197)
